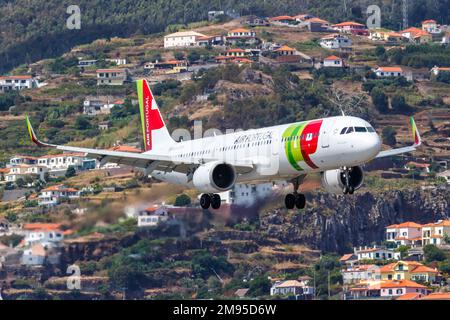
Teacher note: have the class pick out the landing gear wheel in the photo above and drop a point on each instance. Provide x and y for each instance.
(289, 201)
(351, 190)
(205, 201)
(345, 190)
(215, 201)
(300, 201)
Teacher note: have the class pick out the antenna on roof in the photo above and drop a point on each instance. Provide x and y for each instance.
(342, 111)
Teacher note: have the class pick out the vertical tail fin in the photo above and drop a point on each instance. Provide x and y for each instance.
(154, 130)
(416, 135)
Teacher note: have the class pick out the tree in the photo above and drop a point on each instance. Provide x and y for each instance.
(70, 172)
(260, 286)
(179, 55)
(380, 99)
(82, 123)
(193, 56)
(20, 182)
(182, 200)
(126, 277)
(433, 253)
(388, 135)
(403, 251)
(399, 104)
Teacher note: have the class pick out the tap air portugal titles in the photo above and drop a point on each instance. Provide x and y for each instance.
(335, 147)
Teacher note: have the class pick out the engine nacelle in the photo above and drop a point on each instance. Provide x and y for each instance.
(214, 177)
(334, 180)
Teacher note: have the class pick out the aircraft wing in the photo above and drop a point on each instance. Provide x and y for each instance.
(417, 143)
(148, 162)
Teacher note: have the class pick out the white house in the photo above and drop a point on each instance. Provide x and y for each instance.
(350, 27)
(24, 170)
(152, 217)
(383, 72)
(435, 233)
(240, 35)
(333, 62)
(182, 39)
(431, 26)
(407, 233)
(361, 273)
(83, 63)
(375, 253)
(21, 160)
(112, 77)
(54, 195)
(437, 70)
(335, 41)
(61, 162)
(291, 288)
(37, 255)
(96, 106)
(247, 194)
(47, 234)
(118, 61)
(8, 83)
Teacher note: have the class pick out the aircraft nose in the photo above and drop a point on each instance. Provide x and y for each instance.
(373, 144)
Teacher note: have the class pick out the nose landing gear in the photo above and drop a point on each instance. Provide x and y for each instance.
(348, 188)
(210, 200)
(295, 199)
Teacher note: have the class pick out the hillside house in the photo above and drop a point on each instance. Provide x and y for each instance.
(19, 160)
(335, 42)
(118, 61)
(399, 288)
(182, 39)
(171, 66)
(408, 270)
(112, 77)
(406, 234)
(23, 171)
(17, 83)
(291, 288)
(47, 234)
(241, 35)
(436, 71)
(37, 255)
(302, 17)
(246, 194)
(317, 25)
(210, 41)
(385, 35)
(61, 162)
(54, 195)
(82, 63)
(431, 26)
(348, 259)
(351, 27)
(385, 72)
(333, 62)
(283, 21)
(375, 253)
(255, 21)
(152, 216)
(361, 273)
(436, 233)
(417, 35)
(96, 106)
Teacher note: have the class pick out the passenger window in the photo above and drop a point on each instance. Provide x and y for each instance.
(350, 130)
(360, 129)
(343, 130)
(370, 129)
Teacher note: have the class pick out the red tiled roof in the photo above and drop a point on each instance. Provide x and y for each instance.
(428, 21)
(285, 48)
(346, 257)
(424, 269)
(279, 18)
(437, 296)
(400, 284)
(410, 296)
(407, 224)
(348, 23)
(42, 226)
(332, 58)
(390, 69)
(239, 30)
(16, 77)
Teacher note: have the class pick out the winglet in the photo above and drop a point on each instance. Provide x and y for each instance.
(416, 135)
(33, 135)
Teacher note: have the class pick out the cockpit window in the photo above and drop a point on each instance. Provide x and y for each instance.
(350, 130)
(370, 129)
(343, 130)
(360, 129)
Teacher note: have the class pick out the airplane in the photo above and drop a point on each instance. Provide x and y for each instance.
(335, 147)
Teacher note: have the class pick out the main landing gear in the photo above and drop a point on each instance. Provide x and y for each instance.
(348, 188)
(210, 200)
(295, 199)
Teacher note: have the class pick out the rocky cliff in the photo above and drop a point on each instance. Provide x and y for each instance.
(337, 223)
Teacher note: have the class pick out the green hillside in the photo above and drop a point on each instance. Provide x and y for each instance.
(32, 30)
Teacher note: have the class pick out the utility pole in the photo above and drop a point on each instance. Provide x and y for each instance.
(329, 285)
(314, 276)
(405, 14)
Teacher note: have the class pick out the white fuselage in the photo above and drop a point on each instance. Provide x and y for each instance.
(281, 152)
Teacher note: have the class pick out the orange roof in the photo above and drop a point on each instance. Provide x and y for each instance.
(428, 21)
(285, 48)
(42, 226)
(123, 148)
(16, 77)
(289, 283)
(437, 296)
(348, 23)
(332, 58)
(442, 68)
(346, 257)
(119, 102)
(390, 69)
(243, 60)
(424, 269)
(317, 20)
(401, 284)
(53, 188)
(408, 224)
(68, 232)
(4, 170)
(239, 30)
(410, 296)
(279, 18)
(38, 250)
(387, 268)
(416, 32)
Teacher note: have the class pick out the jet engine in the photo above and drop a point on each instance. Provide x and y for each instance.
(334, 181)
(214, 177)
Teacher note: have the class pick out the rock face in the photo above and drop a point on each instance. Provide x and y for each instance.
(337, 223)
